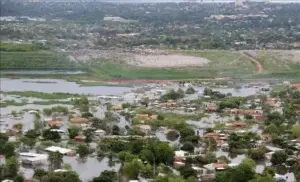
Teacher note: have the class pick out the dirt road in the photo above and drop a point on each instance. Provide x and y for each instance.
(259, 68)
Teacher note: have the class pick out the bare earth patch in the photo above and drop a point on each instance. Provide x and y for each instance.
(141, 57)
(173, 60)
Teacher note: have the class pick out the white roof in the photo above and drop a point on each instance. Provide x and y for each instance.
(57, 130)
(210, 166)
(100, 131)
(273, 149)
(32, 157)
(32, 111)
(58, 149)
(180, 153)
(29, 154)
(60, 170)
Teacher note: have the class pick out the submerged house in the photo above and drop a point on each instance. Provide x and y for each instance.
(79, 121)
(63, 151)
(33, 158)
(144, 128)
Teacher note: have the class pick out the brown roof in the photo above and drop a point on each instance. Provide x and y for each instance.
(239, 124)
(211, 134)
(54, 123)
(79, 120)
(220, 165)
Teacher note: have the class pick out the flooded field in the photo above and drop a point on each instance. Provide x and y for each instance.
(57, 85)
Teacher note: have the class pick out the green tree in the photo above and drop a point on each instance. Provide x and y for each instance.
(19, 178)
(210, 157)
(51, 135)
(172, 135)
(18, 126)
(243, 173)
(47, 111)
(82, 150)
(12, 167)
(69, 176)
(163, 153)
(170, 178)
(296, 130)
(133, 169)
(148, 171)
(147, 155)
(115, 130)
(187, 171)
(73, 131)
(249, 163)
(67, 166)
(297, 172)
(38, 125)
(259, 178)
(88, 133)
(190, 90)
(87, 115)
(278, 157)
(186, 131)
(9, 149)
(106, 176)
(55, 160)
(188, 146)
(39, 173)
(272, 129)
(257, 153)
(30, 142)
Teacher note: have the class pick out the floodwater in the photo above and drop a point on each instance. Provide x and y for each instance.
(207, 122)
(27, 119)
(242, 92)
(57, 85)
(87, 169)
(45, 72)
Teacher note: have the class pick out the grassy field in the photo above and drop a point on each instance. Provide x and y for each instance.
(276, 67)
(32, 57)
(222, 64)
(36, 60)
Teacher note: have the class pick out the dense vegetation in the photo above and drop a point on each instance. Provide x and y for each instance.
(183, 25)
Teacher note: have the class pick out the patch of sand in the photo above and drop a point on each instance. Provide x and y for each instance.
(172, 60)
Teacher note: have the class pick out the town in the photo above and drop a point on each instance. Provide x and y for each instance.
(203, 131)
(193, 91)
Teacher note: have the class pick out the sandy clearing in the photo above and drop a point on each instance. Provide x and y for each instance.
(163, 61)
